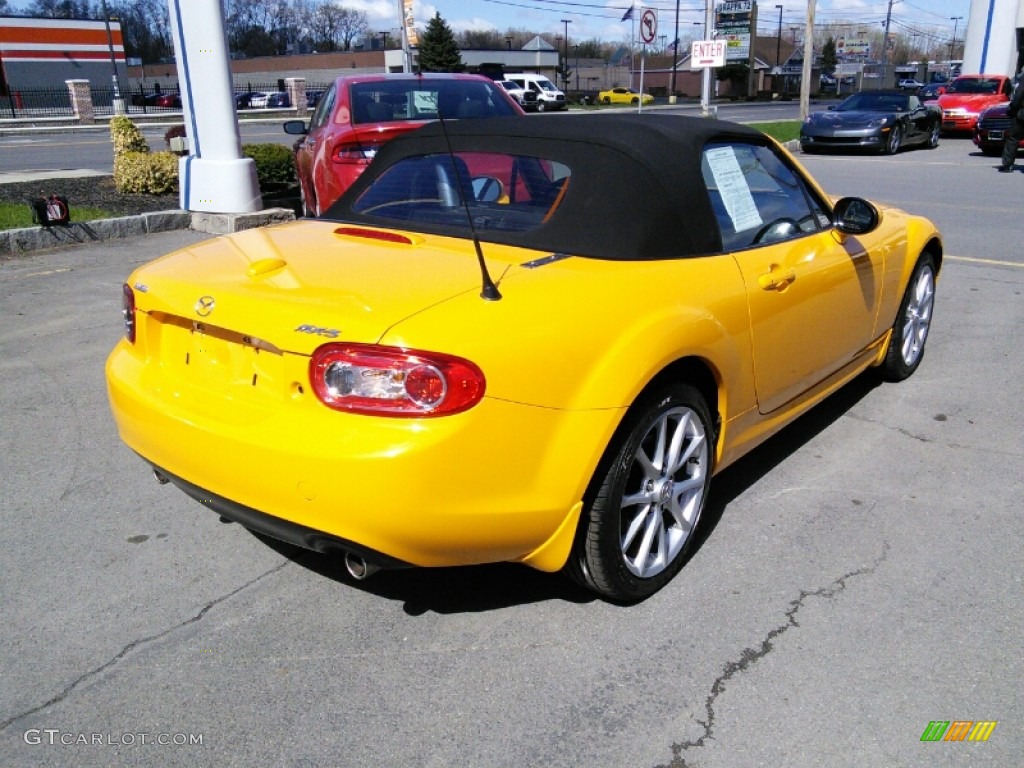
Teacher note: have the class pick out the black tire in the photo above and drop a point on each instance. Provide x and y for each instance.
(662, 459)
(933, 136)
(634, 101)
(892, 146)
(540, 106)
(913, 321)
(606, 100)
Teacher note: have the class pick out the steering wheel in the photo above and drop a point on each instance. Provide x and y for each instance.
(780, 229)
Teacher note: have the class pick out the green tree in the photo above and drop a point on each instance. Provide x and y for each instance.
(737, 75)
(829, 60)
(438, 51)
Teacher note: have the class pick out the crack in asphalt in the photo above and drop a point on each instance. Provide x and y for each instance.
(134, 644)
(750, 656)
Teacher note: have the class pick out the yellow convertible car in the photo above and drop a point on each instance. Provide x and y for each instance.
(527, 341)
(624, 96)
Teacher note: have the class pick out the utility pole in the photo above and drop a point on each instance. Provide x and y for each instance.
(885, 48)
(565, 55)
(805, 76)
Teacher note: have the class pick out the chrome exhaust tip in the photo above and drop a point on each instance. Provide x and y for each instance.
(358, 568)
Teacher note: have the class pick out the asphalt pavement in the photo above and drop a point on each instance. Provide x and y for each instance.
(858, 576)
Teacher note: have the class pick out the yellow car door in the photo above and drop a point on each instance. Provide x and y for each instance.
(791, 287)
(795, 270)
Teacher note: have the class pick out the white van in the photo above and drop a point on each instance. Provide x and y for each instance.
(548, 96)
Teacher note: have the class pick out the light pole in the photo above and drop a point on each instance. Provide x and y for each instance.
(778, 41)
(952, 44)
(117, 105)
(675, 58)
(576, 52)
(565, 54)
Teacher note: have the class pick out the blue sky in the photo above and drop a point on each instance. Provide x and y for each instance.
(590, 19)
(595, 19)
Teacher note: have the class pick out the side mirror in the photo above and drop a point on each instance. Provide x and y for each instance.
(296, 127)
(855, 216)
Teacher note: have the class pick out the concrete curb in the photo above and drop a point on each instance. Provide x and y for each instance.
(16, 242)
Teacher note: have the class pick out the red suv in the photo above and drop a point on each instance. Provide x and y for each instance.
(968, 95)
(359, 113)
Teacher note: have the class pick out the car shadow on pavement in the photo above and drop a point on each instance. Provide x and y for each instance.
(473, 589)
(742, 475)
(464, 589)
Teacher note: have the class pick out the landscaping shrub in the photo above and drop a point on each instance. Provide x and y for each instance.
(136, 169)
(154, 173)
(126, 136)
(275, 164)
(176, 132)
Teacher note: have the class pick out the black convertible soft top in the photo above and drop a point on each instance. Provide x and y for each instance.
(636, 190)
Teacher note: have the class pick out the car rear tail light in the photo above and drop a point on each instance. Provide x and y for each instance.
(128, 312)
(355, 153)
(388, 381)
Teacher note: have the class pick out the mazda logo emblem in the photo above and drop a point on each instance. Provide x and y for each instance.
(205, 305)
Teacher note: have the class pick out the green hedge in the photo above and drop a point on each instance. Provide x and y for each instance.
(275, 163)
(136, 169)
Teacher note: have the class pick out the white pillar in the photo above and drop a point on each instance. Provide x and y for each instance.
(214, 177)
(990, 40)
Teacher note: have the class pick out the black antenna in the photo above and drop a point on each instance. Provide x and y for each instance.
(490, 290)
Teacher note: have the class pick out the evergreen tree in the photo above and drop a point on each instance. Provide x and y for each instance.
(829, 59)
(438, 51)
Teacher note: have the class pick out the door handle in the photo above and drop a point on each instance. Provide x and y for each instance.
(776, 279)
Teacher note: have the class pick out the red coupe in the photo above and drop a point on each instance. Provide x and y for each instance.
(360, 113)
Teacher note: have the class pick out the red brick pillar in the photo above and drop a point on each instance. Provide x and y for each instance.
(296, 87)
(81, 101)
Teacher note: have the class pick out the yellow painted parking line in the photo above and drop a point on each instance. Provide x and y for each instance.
(993, 262)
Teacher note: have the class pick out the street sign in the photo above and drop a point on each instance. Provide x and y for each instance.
(648, 25)
(707, 53)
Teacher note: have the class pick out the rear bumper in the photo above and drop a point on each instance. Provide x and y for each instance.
(277, 528)
(500, 482)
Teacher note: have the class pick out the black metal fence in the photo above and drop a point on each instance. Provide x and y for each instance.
(139, 100)
(36, 102)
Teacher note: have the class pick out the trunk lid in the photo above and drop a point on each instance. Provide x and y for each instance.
(296, 286)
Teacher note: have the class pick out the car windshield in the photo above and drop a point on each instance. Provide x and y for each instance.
(505, 192)
(424, 98)
(974, 85)
(866, 101)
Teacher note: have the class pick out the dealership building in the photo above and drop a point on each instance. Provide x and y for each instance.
(44, 53)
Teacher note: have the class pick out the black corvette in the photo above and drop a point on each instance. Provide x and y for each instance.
(882, 121)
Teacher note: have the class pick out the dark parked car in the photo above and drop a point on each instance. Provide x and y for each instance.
(278, 100)
(931, 92)
(990, 131)
(882, 121)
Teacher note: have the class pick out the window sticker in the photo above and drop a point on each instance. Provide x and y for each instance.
(732, 186)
